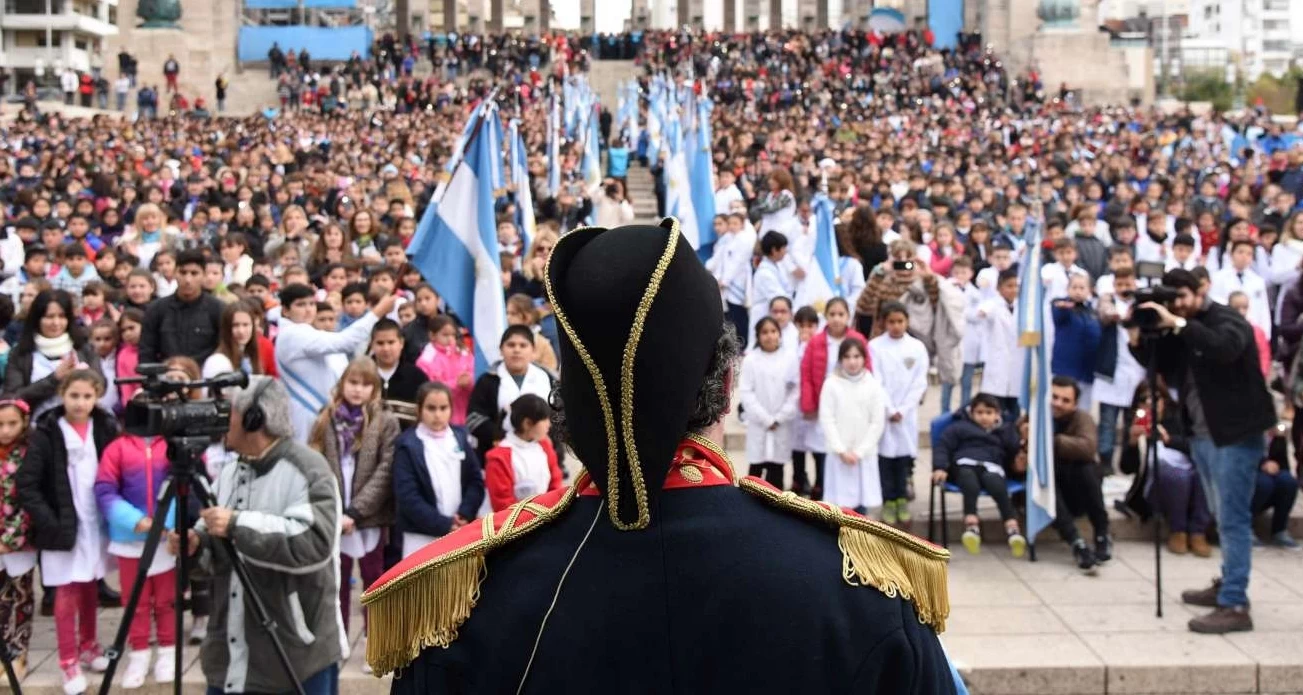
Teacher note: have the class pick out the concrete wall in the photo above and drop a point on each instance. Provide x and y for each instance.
(204, 45)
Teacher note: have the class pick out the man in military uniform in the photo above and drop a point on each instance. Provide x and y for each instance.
(658, 571)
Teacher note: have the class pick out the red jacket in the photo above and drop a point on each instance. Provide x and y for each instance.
(814, 367)
(500, 475)
(267, 356)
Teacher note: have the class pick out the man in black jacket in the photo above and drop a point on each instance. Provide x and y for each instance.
(1208, 351)
(186, 323)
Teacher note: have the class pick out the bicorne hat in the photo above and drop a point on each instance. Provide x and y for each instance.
(640, 317)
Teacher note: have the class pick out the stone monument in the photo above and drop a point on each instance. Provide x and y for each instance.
(159, 13)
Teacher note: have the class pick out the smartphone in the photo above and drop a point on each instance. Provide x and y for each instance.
(902, 265)
(1142, 418)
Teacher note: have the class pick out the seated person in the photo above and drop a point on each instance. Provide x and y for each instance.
(975, 452)
(1277, 490)
(1177, 492)
(1077, 476)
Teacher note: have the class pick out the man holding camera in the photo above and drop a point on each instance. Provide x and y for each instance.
(279, 504)
(1207, 350)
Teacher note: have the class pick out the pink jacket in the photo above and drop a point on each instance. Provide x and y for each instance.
(940, 263)
(445, 365)
(1264, 351)
(814, 367)
(128, 358)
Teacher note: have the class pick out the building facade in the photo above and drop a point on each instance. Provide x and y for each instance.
(40, 38)
(1245, 37)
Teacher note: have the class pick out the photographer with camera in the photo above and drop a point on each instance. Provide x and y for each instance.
(1207, 350)
(611, 208)
(279, 504)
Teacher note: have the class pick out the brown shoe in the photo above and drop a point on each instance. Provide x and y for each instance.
(1178, 543)
(1203, 597)
(1199, 545)
(1223, 620)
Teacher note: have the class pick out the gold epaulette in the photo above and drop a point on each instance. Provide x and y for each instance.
(874, 554)
(423, 600)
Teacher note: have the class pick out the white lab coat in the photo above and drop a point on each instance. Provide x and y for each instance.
(1285, 258)
(730, 263)
(901, 367)
(974, 344)
(770, 392)
(850, 278)
(852, 414)
(1127, 375)
(768, 282)
(301, 359)
(1003, 374)
(1226, 281)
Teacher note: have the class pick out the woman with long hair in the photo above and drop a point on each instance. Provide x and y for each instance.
(51, 346)
(333, 245)
(237, 344)
(363, 229)
(1287, 254)
(356, 435)
(777, 207)
(293, 230)
(863, 239)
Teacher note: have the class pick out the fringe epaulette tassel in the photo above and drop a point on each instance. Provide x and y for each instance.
(424, 612)
(896, 570)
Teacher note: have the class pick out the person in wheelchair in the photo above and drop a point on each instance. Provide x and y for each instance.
(978, 451)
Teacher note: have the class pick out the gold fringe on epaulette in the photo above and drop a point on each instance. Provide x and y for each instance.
(895, 570)
(424, 612)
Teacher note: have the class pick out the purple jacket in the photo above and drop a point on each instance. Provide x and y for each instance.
(127, 484)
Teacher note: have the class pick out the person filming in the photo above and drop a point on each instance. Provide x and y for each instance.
(1208, 352)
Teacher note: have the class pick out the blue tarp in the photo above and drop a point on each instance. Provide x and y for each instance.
(291, 4)
(946, 19)
(322, 43)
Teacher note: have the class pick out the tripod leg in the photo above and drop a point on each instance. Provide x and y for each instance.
(166, 495)
(182, 577)
(10, 673)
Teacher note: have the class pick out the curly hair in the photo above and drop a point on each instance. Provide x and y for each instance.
(712, 398)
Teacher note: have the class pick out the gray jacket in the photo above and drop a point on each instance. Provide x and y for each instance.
(286, 528)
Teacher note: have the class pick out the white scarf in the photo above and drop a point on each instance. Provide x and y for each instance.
(443, 459)
(529, 464)
(536, 382)
(54, 348)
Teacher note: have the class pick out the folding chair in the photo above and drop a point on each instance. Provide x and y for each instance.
(938, 426)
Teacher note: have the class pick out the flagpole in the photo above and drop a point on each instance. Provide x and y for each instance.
(458, 157)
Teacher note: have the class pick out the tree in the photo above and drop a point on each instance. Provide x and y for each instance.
(1210, 86)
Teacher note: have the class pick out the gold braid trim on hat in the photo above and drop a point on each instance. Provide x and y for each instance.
(873, 554)
(626, 384)
(425, 606)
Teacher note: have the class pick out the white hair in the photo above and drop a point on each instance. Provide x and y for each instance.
(274, 401)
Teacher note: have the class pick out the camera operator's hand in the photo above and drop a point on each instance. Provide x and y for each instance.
(66, 365)
(174, 542)
(144, 525)
(938, 477)
(218, 520)
(1166, 319)
(348, 525)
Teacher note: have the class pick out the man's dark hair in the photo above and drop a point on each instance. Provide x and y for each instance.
(1006, 275)
(36, 250)
(353, 288)
(1242, 242)
(523, 332)
(73, 250)
(1067, 382)
(985, 400)
(1178, 278)
(771, 242)
(1183, 239)
(325, 306)
(258, 280)
(386, 325)
(295, 292)
(191, 257)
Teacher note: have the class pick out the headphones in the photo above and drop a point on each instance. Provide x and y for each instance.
(254, 417)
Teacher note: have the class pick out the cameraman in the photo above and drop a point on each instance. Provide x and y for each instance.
(1207, 350)
(612, 209)
(279, 504)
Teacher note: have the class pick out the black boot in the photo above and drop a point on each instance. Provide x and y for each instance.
(1085, 558)
(1103, 548)
(47, 601)
(108, 597)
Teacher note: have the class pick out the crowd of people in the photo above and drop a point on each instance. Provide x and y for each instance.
(277, 246)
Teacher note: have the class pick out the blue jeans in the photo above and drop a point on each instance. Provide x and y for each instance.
(323, 682)
(965, 389)
(1229, 475)
(1108, 432)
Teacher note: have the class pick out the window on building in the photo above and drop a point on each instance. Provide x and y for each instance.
(80, 44)
(1207, 13)
(113, 15)
(57, 42)
(1276, 46)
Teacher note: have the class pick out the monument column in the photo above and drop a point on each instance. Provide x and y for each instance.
(496, 10)
(821, 14)
(775, 14)
(730, 16)
(449, 15)
(681, 15)
(544, 15)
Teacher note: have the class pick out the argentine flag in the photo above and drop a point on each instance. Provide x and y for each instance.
(520, 177)
(554, 148)
(1041, 495)
(456, 249)
(592, 163)
(818, 287)
(701, 183)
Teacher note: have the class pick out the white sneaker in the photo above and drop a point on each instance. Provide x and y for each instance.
(74, 683)
(165, 665)
(137, 669)
(199, 630)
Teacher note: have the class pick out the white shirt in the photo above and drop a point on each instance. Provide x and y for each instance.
(1055, 278)
(770, 392)
(1227, 280)
(528, 465)
(301, 359)
(901, 366)
(443, 459)
(724, 198)
(86, 561)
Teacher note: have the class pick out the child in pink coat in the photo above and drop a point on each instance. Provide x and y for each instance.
(445, 360)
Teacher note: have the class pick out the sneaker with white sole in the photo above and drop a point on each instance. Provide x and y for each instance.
(199, 630)
(94, 660)
(74, 683)
(1017, 544)
(137, 669)
(165, 665)
(972, 540)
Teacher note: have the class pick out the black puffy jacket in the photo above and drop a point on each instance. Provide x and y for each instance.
(44, 489)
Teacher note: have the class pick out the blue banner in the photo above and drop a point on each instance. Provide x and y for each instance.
(323, 43)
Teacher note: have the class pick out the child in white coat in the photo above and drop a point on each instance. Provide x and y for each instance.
(900, 364)
(852, 411)
(771, 392)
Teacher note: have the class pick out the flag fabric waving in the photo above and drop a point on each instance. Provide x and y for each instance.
(701, 181)
(456, 246)
(520, 177)
(1042, 500)
(554, 148)
(823, 285)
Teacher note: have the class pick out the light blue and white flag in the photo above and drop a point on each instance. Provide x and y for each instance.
(493, 128)
(520, 177)
(554, 148)
(592, 162)
(456, 248)
(825, 254)
(701, 182)
(656, 118)
(465, 135)
(1041, 494)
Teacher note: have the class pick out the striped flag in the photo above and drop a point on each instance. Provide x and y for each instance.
(701, 181)
(1041, 495)
(554, 148)
(821, 286)
(456, 248)
(520, 176)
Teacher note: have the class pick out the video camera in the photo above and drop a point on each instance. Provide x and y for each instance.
(163, 410)
(1147, 319)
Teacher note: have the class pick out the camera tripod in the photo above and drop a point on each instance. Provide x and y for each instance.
(183, 480)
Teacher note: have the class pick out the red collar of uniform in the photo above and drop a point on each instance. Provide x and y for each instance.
(698, 462)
